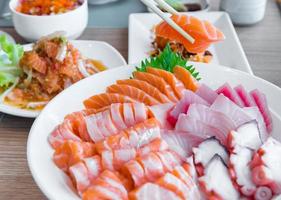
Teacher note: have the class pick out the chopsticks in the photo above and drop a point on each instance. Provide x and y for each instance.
(152, 4)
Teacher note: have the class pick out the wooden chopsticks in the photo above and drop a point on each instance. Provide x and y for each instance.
(152, 4)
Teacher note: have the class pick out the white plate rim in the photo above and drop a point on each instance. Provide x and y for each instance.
(11, 110)
(36, 123)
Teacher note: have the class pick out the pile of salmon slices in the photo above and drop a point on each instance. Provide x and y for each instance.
(162, 135)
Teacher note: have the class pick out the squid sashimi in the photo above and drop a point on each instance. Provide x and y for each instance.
(152, 191)
(132, 92)
(181, 142)
(261, 101)
(224, 105)
(72, 152)
(157, 82)
(170, 78)
(230, 93)
(182, 106)
(247, 135)
(205, 151)
(147, 88)
(240, 171)
(211, 117)
(206, 93)
(216, 182)
(106, 99)
(266, 165)
(189, 124)
(203, 32)
(186, 78)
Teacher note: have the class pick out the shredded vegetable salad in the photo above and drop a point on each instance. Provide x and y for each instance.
(47, 7)
(32, 78)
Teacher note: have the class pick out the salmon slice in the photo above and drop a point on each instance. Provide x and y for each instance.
(186, 78)
(169, 159)
(157, 82)
(107, 186)
(147, 88)
(134, 137)
(172, 183)
(152, 165)
(193, 191)
(128, 114)
(134, 171)
(62, 133)
(79, 176)
(140, 112)
(203, 32)
(152, 191)
(116, 111)
(115, 159)
(156, 145)
(72, 152)
(170, 78)
(133, 93)
(105, 99)
(94, 166)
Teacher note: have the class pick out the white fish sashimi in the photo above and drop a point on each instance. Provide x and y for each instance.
(255, 114)
(224, 105)
(211, 117)
(182, 106)
(181, 142)
(160, 112)
(192, 125)
(206, 93)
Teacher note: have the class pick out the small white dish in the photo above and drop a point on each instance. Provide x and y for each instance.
(53, 182)
(97, 50)
(228, 52)
(32, 27)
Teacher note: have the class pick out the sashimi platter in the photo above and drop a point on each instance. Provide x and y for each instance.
(166, 129)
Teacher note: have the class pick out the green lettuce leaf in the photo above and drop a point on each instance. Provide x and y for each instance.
(10, 54)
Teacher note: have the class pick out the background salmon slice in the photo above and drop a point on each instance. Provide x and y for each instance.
(147, 88)
(175, 84)
(157, 82)
(186, 78)
(105, 99)
(133, 93)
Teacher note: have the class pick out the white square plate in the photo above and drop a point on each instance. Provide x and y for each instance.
(228, 52)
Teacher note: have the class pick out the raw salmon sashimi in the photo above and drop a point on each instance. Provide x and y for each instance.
(106, 186)
(203, 32)
(147, 88)
(152, 191)
(186, 78)
(133, 137)
(157, 82)
(132, 92)
(170, 78)
(106, 99)
(150, 167)
(72, 152)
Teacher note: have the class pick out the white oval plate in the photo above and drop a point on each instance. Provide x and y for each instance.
(52, 181)
(97, 50)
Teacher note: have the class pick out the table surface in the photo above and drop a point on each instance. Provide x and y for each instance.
(261, 43)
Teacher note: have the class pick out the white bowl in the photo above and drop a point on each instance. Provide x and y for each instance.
(53, 182)
(32, 27)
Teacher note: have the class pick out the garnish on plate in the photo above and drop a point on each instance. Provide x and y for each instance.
(10, 55)
(168, 60)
